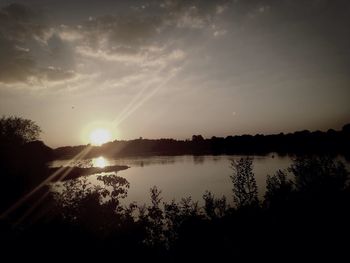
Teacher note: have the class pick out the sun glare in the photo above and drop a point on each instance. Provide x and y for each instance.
(99, 162)
(100, 136)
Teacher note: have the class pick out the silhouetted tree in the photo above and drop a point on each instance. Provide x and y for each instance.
(95, 208)
(221, 206)
(278, 190)
(209, 204)
(346, 128)
(18, 130)
(22, 158)
(197, 138)
(173, 220)
(245, 190)
(319, 175)
(188, 208)
(214, 207)
(155, 228)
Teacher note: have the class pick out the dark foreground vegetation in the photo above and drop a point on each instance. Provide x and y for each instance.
(304, 215)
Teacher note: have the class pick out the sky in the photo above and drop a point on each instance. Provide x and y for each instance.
(172, 68)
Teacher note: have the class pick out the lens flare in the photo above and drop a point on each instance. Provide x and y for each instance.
(100, 136)
(99, 162)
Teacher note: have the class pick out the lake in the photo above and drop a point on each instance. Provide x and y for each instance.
(183, 176)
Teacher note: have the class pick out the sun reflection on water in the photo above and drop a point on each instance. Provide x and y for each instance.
(100, 162)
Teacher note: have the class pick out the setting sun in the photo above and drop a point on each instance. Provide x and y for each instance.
(100, 136)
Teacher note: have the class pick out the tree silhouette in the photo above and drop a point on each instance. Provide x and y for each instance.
(197, 138)
(245, 190)
(17, 130)
(319, 175)
(346, 128)
(94, 208)
(22, 158)
(155, 220)
(214, 207)
(278, 190)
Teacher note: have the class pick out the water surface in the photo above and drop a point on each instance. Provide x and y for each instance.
(183, 176)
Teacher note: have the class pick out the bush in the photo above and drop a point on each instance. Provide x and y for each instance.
(245, 190)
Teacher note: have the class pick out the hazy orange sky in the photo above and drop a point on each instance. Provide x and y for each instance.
(175, 68)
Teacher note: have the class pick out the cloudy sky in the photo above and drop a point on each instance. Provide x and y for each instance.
(175, 68)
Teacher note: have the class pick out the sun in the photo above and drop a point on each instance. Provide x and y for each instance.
(100, 136)
(99, 132)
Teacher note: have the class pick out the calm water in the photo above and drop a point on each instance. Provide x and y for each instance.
(183, 176)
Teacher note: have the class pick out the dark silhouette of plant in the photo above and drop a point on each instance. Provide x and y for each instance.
(346, 129)
(188, 208)
(209, 204)
(173, 221)
(245, 190)
(22, 158)
(278, 190)
(197, 138)
(214, 207)
(317, 175)
(176, 215)
(155, 218)
(16, 130)
(220, 206)
(95, 208)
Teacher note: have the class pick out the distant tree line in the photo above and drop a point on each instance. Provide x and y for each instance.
(301, 142)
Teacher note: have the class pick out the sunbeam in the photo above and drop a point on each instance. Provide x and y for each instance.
(64, 170)
(137, 103)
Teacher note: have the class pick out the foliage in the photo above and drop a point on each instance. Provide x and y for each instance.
(93, 206)
(22, 158)
(155, 220)
(319, 175)
(279, 190)
(17, 130)
(214, 207)
(245, 190)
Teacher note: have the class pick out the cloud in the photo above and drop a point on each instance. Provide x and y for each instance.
(34, 46)
(146, 25)
(16, 25)
(123, 32)
(15, 64)
(56, 74)
(19, 22)
(152, 35)
(25, 53)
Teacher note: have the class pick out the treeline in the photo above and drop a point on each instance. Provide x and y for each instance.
(301, 142)
(304, 215)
